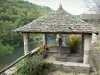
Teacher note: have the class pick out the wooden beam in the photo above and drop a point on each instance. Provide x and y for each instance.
(45, 40)
(60, 32)
(82, 44)
(59, 42)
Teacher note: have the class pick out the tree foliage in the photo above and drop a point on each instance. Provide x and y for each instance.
(5, 50)
(16, 13)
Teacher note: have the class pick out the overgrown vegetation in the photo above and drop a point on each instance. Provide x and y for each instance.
(73, 41)
(33, 66)
(6, 50)
(44, 52)
(13, 14)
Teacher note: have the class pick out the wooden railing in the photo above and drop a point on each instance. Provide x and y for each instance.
(19, 59)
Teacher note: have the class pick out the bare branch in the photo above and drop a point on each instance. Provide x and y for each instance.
(93, 5)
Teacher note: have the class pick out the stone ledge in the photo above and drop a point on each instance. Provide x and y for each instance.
(69, 63)
(71, 67)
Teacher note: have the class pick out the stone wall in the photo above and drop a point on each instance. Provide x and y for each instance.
(95, 55)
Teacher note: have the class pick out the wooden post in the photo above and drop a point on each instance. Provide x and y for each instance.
(45, 40)
(87, 43)
(59, 42)
(82, 45)
(26, 43)
(57, 38)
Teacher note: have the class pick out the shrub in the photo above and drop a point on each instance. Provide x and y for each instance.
(33, 66)
(73, 41)
(44, 52)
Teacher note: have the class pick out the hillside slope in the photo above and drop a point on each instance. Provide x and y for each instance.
(13, 14)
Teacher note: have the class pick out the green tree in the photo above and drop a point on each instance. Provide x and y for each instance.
(14, 14)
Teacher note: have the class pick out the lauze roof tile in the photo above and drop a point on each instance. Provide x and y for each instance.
(58, 21)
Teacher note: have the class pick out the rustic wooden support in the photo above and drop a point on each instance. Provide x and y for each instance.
(82, 45)
(45, 40)
(26, 43)
(57, 39)
(59, 42)
(87, 44)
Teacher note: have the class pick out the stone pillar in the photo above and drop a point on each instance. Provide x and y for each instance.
(26, 43)
(45, 40)
(87, 44)
(94, 38)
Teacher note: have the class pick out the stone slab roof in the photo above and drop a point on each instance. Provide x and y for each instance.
(58, 21)
(90, 16)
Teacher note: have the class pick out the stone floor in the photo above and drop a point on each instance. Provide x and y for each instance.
(65, 55)
(71, 60)
(68, 60)
(65, 58)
